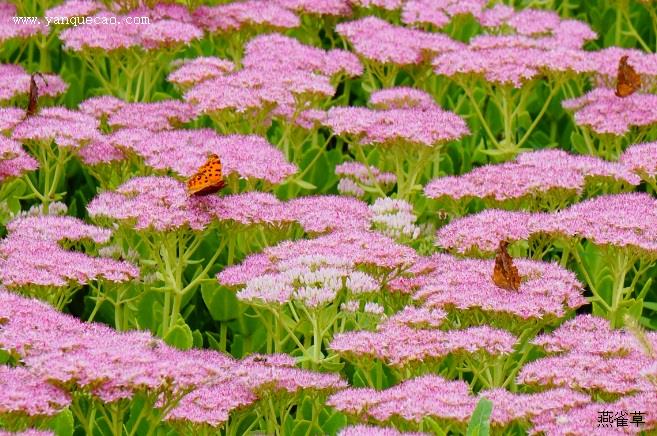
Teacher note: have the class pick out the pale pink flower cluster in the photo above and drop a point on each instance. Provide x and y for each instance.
(547, 27)
(311, 280)
(184, 151)
(402, 346)
(542, 43)
(377, 40)
(279, 75)
(622, 220)
(394, 218)
(604, 63)
(389, 5)
(370, 430)
(76, 8)
(248, 14)
(195, 70)
(10, 30)
(401, 97)
(577, 421)
(161, 115)
(15, 81)
(538, 174)
(605, 113)
(484, 231)
(161, 33)
(279, 51)
(337, 8)
(65, 127)
(347, 251)
(433, 396)
(547, 291)
(592, 357)
(357, 176)
(439, 13)
(101, 107)
(14, 161)
(641, 158)
(592, 335)
(162, 203)
(92, 358)
(31, 254)
(10, 117)
(424, 127)
(157, 203)
(28, 394)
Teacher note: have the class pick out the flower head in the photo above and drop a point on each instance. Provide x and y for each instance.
(65, 127)
(603, 112)
(377, 40)
(237, 15)
(198, 69)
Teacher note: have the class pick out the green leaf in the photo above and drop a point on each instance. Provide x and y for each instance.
(304, 184)
(302, 428)
(479, 424)
(180, 336)
(147, 309)
(334, 423)
(222, 303)
(307, 409)
(62, 423)
(197, 337)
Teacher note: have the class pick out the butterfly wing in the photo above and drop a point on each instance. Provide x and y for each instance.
(505, 274)
(628, 80)
(33, 99)
(208, 179)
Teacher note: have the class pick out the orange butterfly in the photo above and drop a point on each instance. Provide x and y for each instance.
(628, 80)
(505, 274)
(208, 179)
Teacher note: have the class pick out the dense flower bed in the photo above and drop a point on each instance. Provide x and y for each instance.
(354, 217)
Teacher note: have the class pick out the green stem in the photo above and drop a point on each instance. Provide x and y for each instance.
(481, 117)
(540, 115)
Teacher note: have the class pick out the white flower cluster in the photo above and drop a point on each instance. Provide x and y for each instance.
(395, 218)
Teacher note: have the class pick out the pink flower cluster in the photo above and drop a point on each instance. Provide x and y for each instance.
(11, 30)
(402, 346)
(641, 158)
(605, 113)
(15, 81)
(162, 203)
(622, 220)
(195, 70)
(28, 394)
(184, 151)
(31, 255)
(592, 357)
(356, 177)
(249, 14)
(439, 13)
(335, 8)
(93, 358)
(14, 161)
(546, 291)
(377, 40)
(449, 402)
(423, 125)
(279, 74)
(65, 127)
(535, 174)
(169, 27)
(161, 115)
